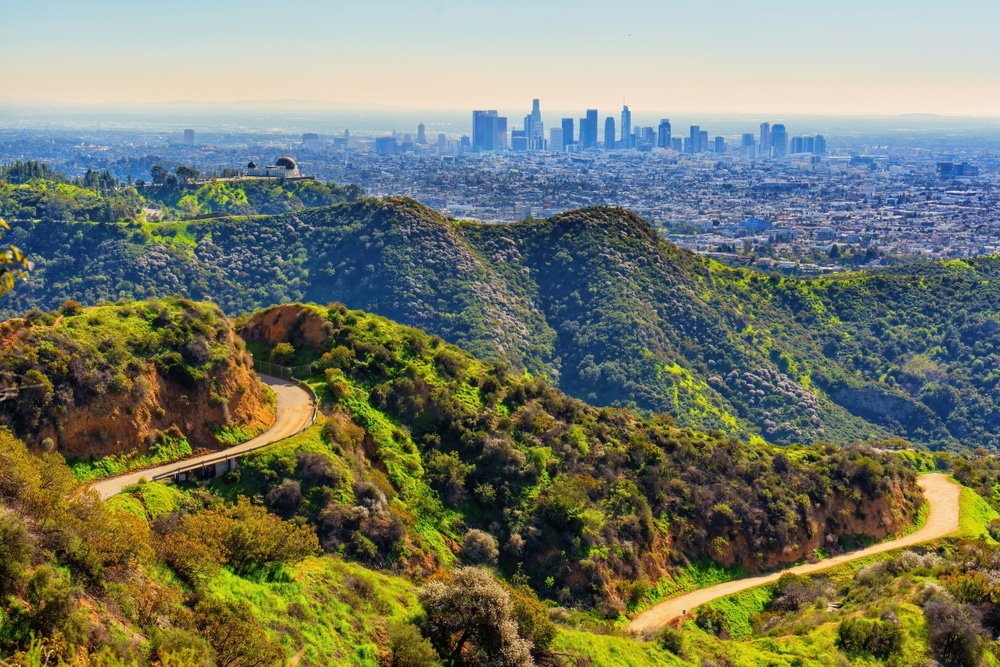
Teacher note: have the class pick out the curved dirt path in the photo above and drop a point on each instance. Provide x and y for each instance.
(293, 413)
(942, 497)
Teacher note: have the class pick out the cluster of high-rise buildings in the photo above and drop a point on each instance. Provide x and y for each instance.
(489, 133)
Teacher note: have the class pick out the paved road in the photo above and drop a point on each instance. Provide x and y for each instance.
(294, 413)
(942, 497)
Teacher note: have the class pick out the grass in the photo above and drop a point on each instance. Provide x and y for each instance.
(700, 573)
(975, 516)
(167, 450)
(740, 608)
(234, 434)
(328, 608)
(921, 521)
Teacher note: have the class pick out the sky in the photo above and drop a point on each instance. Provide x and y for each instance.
(864, 57)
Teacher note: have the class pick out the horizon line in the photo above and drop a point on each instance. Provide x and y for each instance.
(286, 104)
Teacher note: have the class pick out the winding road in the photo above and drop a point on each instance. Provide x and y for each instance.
(294, 413)
(942, 497)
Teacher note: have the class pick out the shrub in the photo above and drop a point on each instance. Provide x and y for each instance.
(407, 648)
(672, 640)
(864, 635)
(479, 548)
(238, 640)
(956, 632)
(315, 469)
(714, 621)
(16, 549)
(70, 308)
(282, 353)
(285, 499)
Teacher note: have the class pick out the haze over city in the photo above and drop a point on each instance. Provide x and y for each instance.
(853, 57)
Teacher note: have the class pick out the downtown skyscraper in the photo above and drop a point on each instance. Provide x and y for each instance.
(489, 131)
(626, 127)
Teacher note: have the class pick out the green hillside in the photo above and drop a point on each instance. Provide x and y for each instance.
(336, 546)
(594, 300)
(119, 386)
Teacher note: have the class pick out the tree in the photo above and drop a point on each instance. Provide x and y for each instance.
(479, 548)
(159, 174)
(407, 648)
(470, 621)
(238, 639)
(13, 264)
(187, 174)
(282, 353)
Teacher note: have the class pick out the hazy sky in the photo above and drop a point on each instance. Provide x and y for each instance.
(725, 56)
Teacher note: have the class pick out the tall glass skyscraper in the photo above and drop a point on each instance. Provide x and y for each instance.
(626, 127)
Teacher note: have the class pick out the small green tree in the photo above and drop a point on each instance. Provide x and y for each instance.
(282, 353)
(407, 648)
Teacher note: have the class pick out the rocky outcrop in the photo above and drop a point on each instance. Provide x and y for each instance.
(232, 396)
(302, 326)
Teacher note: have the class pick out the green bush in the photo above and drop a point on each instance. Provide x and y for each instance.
(672, 640)
(875, 636)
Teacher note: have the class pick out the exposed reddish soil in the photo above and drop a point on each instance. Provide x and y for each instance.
(291, 323)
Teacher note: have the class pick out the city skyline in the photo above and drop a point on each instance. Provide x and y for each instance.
(775, 56)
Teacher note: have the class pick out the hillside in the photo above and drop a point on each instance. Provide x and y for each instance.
(596, 301)
(147, 379)
(32, 191)
(331, 546)
(579, 499)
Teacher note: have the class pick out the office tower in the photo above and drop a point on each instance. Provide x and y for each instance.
(311, 141)
(747, 140)
(702, 142)
(663, 138)
(533, 127)
(588, 130)
(626, 127)
(519, 140)
(779, 140)
(693, 136)
(421, 135)
(385, 145)
(567, 131)
(442, 143)
(489, 131)
(556, 139)
(189, 137)
(677, 144)
(609, 133)
(765, 136)
(808, 144)
(720, 145)
(484, 130)
(796, 145)
(820, 146)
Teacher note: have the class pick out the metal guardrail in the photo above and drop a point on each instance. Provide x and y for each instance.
(225, 457)
(283, 372)
(204, 465)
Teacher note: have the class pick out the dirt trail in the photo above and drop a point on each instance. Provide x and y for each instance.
(942, 497)
(293, 413)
